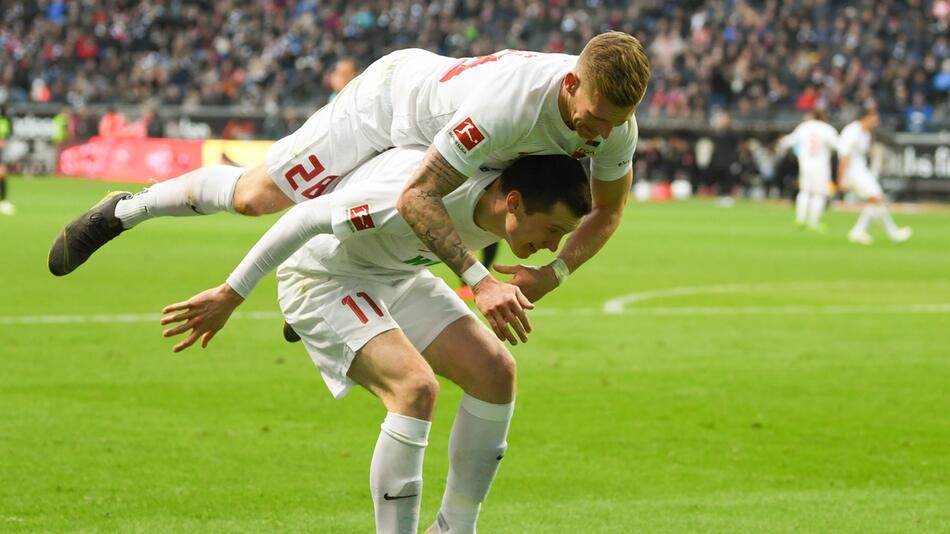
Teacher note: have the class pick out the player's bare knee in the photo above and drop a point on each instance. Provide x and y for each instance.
(256, 194)
(246, 202)
(418, 393)
(498, 378)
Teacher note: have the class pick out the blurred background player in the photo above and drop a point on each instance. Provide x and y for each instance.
(6, 207)
(854, 174)
(813, 142)
(343, 73)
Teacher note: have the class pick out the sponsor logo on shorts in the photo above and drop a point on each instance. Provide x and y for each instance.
(624, 162)
(468, 135)
(360, 218)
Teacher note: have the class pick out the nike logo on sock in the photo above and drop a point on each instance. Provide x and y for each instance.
(394, 497)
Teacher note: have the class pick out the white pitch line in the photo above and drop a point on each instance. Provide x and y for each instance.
(619, 305)
(786, 310)
(118, 318)
(574, 312)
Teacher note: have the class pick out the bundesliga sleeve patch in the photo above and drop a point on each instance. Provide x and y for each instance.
(360, 218)
(467, 135)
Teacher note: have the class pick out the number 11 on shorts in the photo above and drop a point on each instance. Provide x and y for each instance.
(351, 302)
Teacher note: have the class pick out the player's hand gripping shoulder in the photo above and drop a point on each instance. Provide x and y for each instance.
(204, 314)
(421, 206)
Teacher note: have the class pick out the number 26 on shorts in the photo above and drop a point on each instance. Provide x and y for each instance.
(299, 171)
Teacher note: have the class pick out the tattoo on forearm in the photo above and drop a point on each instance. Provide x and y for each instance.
(424, 211)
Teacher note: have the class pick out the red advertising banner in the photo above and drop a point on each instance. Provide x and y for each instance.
(131, 160)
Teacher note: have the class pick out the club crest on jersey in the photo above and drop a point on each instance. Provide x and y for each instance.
(467, 135)
(583, 152)
(587, 150)
(360, 218)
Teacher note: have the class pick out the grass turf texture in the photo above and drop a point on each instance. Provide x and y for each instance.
(670, 420)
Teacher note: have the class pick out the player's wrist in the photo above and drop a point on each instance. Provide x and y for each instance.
(561, 270)
(475, 274)
(230, 293)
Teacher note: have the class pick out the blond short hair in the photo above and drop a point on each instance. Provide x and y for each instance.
(617, 67)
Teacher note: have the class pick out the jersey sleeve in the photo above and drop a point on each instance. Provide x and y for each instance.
(366, 205)
(834, 140)
(485, 123)
(846, 142)
(354, 215)
(790, 140)
(289, 233)
(616, 159)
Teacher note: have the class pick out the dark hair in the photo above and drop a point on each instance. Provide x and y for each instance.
(543, 181)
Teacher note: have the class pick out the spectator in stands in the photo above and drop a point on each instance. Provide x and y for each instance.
(724, 168)
(918, 115)
(112, 123)
(707, 54)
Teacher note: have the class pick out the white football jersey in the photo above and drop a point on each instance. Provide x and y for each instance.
(370, 238)
(813, 142)
(488, 111)
(855, 144)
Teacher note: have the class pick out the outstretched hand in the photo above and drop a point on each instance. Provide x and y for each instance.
(204, 314)
(503, 305)
(534, 282)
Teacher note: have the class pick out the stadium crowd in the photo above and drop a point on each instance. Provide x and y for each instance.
(753, 58)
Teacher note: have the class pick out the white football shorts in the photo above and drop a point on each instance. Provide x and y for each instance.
(338, 137)
(335, 316)
(862, 182)
(816, 182)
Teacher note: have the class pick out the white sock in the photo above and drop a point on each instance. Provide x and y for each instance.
(816, 206)
(801, 206)
(867, 214)
(885, 217)
(199, 192)
(476, 448)
(395, 475)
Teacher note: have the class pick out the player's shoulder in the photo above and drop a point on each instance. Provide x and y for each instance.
(852, 128)
(625, 134)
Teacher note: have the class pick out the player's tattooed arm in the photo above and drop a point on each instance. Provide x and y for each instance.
(421, 205)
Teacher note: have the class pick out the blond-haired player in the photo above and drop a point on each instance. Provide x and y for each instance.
(369, 313)
(813, 142)
(473, 113)
(854, 174)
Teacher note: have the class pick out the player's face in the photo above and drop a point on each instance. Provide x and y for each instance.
(870, 121)
(594, 116)
(529, 233)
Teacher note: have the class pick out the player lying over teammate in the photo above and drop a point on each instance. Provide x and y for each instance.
(370, 313)
(472, 113)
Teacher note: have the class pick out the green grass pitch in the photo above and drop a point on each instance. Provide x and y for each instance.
(798, 384)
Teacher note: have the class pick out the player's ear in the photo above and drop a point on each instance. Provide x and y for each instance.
(513, 201)
(573, 82)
